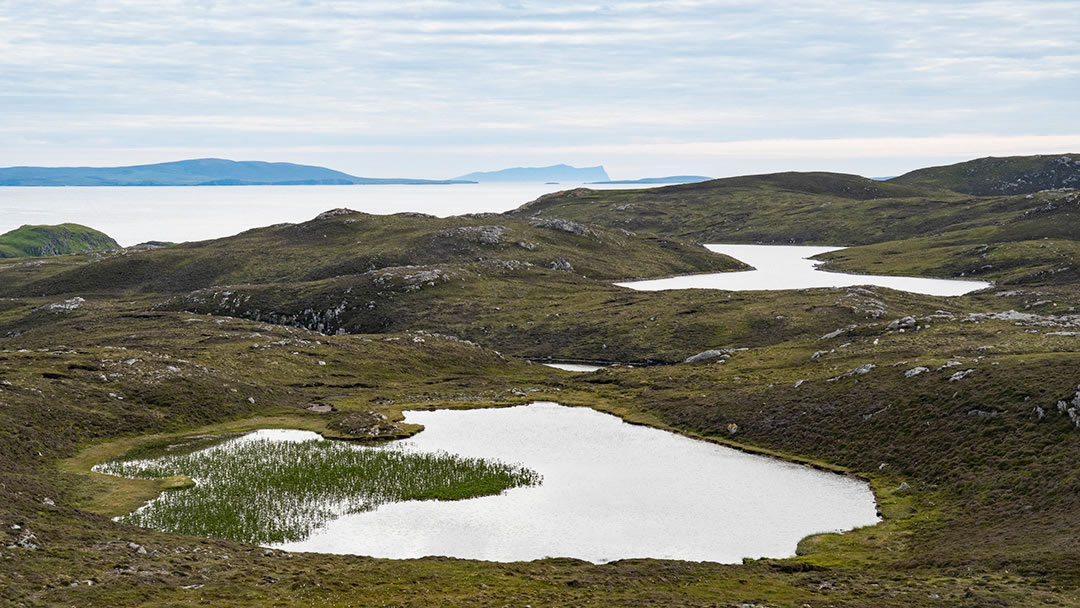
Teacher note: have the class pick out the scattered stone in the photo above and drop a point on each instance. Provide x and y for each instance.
(67, 305)
(960, 375)
(905, 323)
(367, 425)
(915, 371)
(732, 428)
(137, 548)
(27, 540)
(707, 355)
(251, 400)
(48, 501)
(325, 215)
(799, 383)
(561, 264)
(321, 408)
(838, 332)
(485, 235)
(1040, 412)
(858, 371)
(563, 225)
(818, 354)
(982, 413)
(526, 245)
(903, 486)
(949, 364)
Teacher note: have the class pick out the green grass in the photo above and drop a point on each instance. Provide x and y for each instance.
(1008, 175)
(265, 491)
(37, 241)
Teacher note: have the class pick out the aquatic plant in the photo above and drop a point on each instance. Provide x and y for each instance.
(265, 491)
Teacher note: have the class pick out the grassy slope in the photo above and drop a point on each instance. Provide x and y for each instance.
(968, 530)
(985, 521)
(895, 231)
(358, 243)
(994, 176)
(35, 241)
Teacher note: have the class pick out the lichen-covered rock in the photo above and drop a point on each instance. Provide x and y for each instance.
(484, 235)
(563, 225)
(915, 371)
(561, 264)
(709, 355)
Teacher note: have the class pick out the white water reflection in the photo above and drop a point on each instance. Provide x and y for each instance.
(788, 267)
(611, 490)
(575, 367)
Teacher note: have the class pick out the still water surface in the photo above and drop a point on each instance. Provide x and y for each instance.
(575, 367)
(789, 267)
(611, 490)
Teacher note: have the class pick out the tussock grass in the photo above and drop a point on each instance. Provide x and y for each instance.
(267, 491)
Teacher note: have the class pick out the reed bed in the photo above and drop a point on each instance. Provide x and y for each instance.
(267, 491)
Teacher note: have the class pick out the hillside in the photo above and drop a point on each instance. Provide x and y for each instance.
(812, 208)
(198, 172)
(40, 241)
(343, 242)
(554, 173)
(992, 176)
(961, 412)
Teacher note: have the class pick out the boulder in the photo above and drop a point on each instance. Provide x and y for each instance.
(708, 355)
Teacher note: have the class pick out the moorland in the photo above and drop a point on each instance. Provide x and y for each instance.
(963, 413)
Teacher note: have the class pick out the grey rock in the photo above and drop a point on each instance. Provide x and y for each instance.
(858, 371)
(561, 264)
(905, 323)
(563, 225)
(903, 486)
(707, 355)
(325, 215)
(915, 371)
(960, 375)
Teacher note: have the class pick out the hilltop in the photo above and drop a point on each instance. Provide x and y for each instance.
(40, 241)
(197, 172)
(554, 173)
(990, 176)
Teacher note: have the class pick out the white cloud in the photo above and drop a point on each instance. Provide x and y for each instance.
(528, 75)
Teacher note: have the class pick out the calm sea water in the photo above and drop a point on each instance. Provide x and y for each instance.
(789, 267)
(611, 490)
(132, 215)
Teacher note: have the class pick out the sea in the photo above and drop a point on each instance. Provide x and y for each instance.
(137, 214)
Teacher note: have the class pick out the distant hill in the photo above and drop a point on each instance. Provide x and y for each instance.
(198, 172)
(1008, 175)
(671, 179)
(40, 241)
(554, 173)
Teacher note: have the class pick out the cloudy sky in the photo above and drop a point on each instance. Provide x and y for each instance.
(433, 88)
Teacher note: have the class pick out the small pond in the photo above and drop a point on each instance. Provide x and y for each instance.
(789, 267)
(549, 480)
(610, 490)
(575, 367)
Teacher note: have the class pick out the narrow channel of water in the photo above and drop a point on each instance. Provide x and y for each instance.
(789, 267)
(610, 491)
(575, 367)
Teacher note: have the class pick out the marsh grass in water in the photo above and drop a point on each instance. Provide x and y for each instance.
(264, 491)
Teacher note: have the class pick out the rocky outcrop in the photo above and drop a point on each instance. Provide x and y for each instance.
(709, 355)
(484, 235)
(563, 225)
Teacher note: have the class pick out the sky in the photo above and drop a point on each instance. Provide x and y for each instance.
(436, 89)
